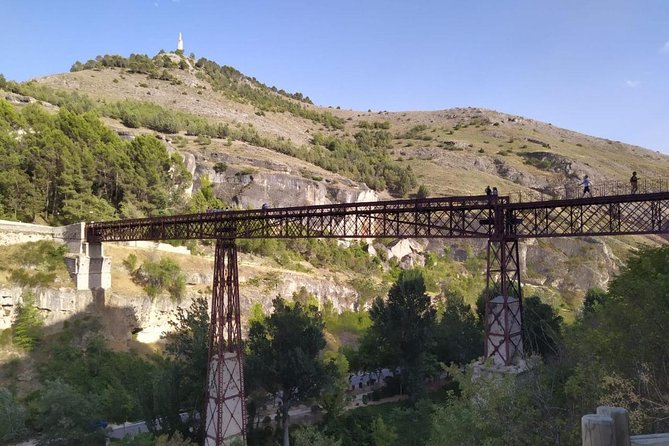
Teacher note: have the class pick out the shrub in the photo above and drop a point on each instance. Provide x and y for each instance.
(220, 167)
(423, 192)
(130, 263)
(12, 418)
(41, 262)
(164, 275)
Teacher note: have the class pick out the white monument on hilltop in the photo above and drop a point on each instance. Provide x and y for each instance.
(180, 43)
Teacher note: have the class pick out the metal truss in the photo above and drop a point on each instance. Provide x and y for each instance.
(613, 215)
(451, 217)
(225, 404)
(504, 303)
(455, 217)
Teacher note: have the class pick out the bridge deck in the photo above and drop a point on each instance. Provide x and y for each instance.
(441, 217)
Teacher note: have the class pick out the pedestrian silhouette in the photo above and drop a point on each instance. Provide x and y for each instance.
(488, 191)
(586, 186)
(634, 183)
(494, 192)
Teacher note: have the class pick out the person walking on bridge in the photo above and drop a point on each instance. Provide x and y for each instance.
(634, 183)
(586, 186)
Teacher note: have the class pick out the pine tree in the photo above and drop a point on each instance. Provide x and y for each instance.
(28, 323)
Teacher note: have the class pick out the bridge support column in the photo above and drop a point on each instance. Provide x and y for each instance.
(225, 409)
(504, 304)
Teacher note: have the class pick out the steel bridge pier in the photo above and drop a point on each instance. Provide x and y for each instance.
(225, 404)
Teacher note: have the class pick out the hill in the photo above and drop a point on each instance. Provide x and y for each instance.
(259, 144)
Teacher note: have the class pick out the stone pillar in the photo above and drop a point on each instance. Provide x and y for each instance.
(86, 262)
(99, 266)
(597, 430)
(621, 423)
(504, 322)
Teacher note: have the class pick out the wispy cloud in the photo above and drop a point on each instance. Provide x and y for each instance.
(632, 84)
(665, 48)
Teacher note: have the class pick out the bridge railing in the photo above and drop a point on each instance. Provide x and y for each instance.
(597, 189)
(608, 188)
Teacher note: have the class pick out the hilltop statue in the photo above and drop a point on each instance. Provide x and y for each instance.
(180, 43)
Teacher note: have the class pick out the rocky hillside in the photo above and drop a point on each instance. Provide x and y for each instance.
(262, 145)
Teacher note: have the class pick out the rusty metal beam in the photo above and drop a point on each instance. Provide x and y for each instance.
(449, 217)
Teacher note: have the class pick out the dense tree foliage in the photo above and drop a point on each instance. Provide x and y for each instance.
(493, 409)
(402, 331)
(68, 418)
(12, 418)
(188, 349)
(70, 167)
(543, 327)
(283, 356)
(79, 357)
(365, 158)
(160, 276)
(619, 348)
(458, 336)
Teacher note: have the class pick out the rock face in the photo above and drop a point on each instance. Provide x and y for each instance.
(282, 190)
(56, 304)
(149, 318)
(276, 184)
(568, 264)
(125, 316)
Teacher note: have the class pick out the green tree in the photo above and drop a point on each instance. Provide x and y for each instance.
(283, 356)
(382, 434)
(205, 198)
(593, 297)
(163, 275)
(12, 418)
(188, 348)
(423, 191)
(618, 351)
(28, 325)
(67, 418)
(542, 326)
(493, 409)
(458, 336)
(402, 330)
(310, 436)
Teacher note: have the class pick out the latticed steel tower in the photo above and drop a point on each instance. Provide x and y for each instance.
(225, 405)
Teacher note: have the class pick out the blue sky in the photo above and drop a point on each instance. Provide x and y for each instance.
(599, 67)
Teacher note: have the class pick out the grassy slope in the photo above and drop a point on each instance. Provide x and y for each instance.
(443, 171)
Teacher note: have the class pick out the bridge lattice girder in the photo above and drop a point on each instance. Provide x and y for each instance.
(453, 217)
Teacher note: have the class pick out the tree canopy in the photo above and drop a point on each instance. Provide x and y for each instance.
(69, 166)
(283, 355)
(402, 330)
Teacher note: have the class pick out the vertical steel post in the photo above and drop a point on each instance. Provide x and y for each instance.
(504, 303)
(225, 405)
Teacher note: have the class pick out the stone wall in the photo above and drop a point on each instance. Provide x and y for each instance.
(86, 262)
(13, 232)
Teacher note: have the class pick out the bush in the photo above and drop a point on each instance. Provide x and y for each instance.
(130, 263)
(12, 418)
(41, 262)
(164, 275)
(423, 192)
